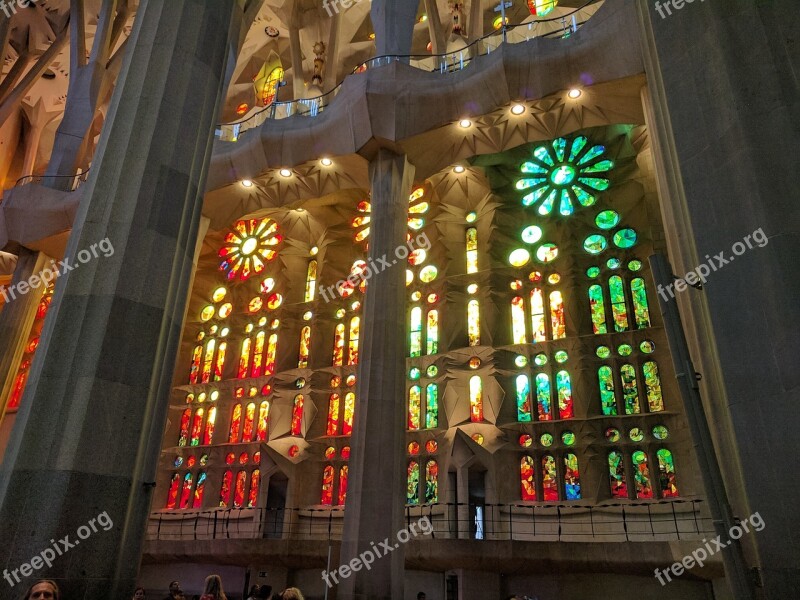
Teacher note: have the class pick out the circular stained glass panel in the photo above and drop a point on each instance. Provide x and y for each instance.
(607, 219)
(414, 373)
(568, 438)
(519, 257)
(603, 352)
(428, 274)
(540, 359)
(413, 448)
(624, 350)
(625, 238)
(561, 356)
(521, 361)
(647, 347)
(431, 446)
(612, 434)
(636, 434)
(432, 371)
(593, 272)
(660, 432)
(613, 263)
(595, 244)
(635, 265)
(546, 440)
(525, 440)
(547, 253)
(532, 234)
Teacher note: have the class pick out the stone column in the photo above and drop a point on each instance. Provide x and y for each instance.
(394, 22)
(377, 482)
(88, 435)
(727, 148)
(462, 503)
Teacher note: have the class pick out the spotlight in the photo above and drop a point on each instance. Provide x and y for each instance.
(247, 183)
(326, 162)
(285, 172)
(459, 169)
(465, 123)
(517, 109)
(574, 93)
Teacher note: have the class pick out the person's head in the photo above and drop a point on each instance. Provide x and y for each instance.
(44, 589)
(265, 592)
(292, 594)
(139, 594)
(214, 586)
(421, 596)
(174, 587)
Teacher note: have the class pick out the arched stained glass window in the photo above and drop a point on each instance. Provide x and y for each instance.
(644, 488)
(572, 481)
(219, 364)
(518, 320)
(412, 492)
(262, 432)
(666, 468)
(338, 346)
(475, 399)
(255, 482)
(431, 482)
(225, 489)
(538, 333)
(172, 495)
(311, 281)
(257, 368)
(208, 360)
(199, 490)
(557, 315)
(305, 343)
(236, 424)
(474, 323)
(297, 415)
(333, 415)
(652, 382)
(608, 400)
(249, 421)
(197, 427)
(186, 419)
(630, 390)
(618, 307)
(543, 407)
(352, 350)
(208, 435)
(523, 387)
(641, 308)
(616, 474)
(343, 473)
(564, 389)
(240, 489)
(327, 486)
(527, 482)
(197, 359)
(272, 351)
(472, 250)
(349, 412)
(598, 306)
(415, 337)
(432, 406)
(432, 333)
(244, 358)
(549, 478)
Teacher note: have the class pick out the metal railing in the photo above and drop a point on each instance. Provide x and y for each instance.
(70, 182)
(664, 520)
(450, 62)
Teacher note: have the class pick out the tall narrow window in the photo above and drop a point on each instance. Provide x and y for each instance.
(272, 351)
(249, 422)
(338, 345)
(343, 473)
(543, 397)
(208, 435)
(194, 371)
(311, 281)
(641, 309)
(630, 390)
(564, 389)
(225, 489)
(244, 358)
(526, 478)
(352, 349)
(327, 486)
(598, 306)
(349, 412)
(297, 415)
(549, 478)
(199, 490)
(197, 427)
(432, 333)
(608, 401)
(472, 250)
(666, 469)
(641, 477)
(236, 424)
(219, 364)
(414, 403)
(416, 331)
(255, 481)
(262, 431)
(618, 308)
(412, 491)
(557, 315)
(186, 419)
(538, 333)
(431, 482)
(172, 495)
(208, 360)
(239, 490)
(432, 406)
(475, 399)
(518, 320)
(652, 382)
(474, 323)
(523, 399)
(186, 490)
(333, 415)
(305, 343)
(257, 368)
(572, 480)
(616, 475)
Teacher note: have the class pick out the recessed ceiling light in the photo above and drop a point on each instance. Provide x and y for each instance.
(459, 169)
(285, 172)
(518, 109)
(326, 162)
(247, 183)
(465, 123)
(574, 93)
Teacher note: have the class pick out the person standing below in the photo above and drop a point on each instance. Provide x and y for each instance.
(292, 594)
(174, 590)
(213, 589)
(139, 594)
(421, 596)
(253, 593)
(44, 589)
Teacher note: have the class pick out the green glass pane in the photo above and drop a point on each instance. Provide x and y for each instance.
(603, 352)
(565, 207)
(529, 182)
(563, 175)
(612, 434)
(535, 196)
(584, 197)
(618, 308)
(599, 167)
(432, 406)
(543, 397)
(414, 373)
(568, 438)
(647, 347)
(523, 388)
(561, 356)
(630, 391)
(635, 265)
(560, 145)
(521, 361)
(595, 244)
(432, 371)
(529, 167)
(607, 399)
(597, 304)
(607, 219)
(595, 183)
(578, 144)
(543, 154)
(625, 238)
(624, 350)
(613, 263)
(547, 204)
(652, 383)
(591, 155)
(532, 234)
(593, 272)
(636, 434)
(546, 440)
(660, 432)
(428, 274)
(540, 360)
(641, 308)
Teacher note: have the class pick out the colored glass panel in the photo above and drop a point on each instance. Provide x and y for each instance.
(338, 346)
(431, 482)
(208, 360)
(549, 479)
(641, 477)
(257, 367)
(475, 399)
(472, 250)
(225, 489)
(240, 489)
(236, 424)
(244, 358)
(537, 316)
(297, 415)
(666, 479)
(199, 490)
(572, 481)
(344, 471)
(641, 309)
(597, 304)
(311, 281)
(652, 382)
(415, 337)
(333, 415)
(194, 370)
(523, 399)
(255, 482)
(608, 400)
(557, 315)
(183, 436)
(272, 351)
(518, 320)
(219, 364)
(262, 431)
(527, 483)
(208, 434)
(474, 323)
(616, 475)
(352, 348)
(172, 495)
(564, 389)
(432, 406)
(197, 428)
(305, 342)
(327, 486)
(432, 332)
(249, 421)
(412, 490)
(618, 308)
(543, 397)
(630, 390)
(349, 412)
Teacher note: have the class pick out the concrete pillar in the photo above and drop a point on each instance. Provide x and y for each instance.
(462, 503)
(393, 21)
(88, 436)
(377, 481)
(298, 73)
(727, 144)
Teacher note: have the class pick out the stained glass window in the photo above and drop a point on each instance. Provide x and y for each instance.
(225, 489)
(199, 490)
(475, 399)
(183, 436)
(297, 415)
(523, 399)
(240, 489)
(527, 479)
(432, 406)
(262, 431)
(352, 351)
(557, 315)
(172, 495)
(208, 361)
(208, 435)
(518, 320)
(618, 308)
(416, 331)
(338, 346)
(474, 323)
(572, 482)
(543, 397)
(343, 473)
(630, 390)
(258, 356)
(537, 315)
(608, 400)
(597, 304)
(249, 247)
(333, 415)
(311, 281)
(641, 309)
(616, 473)
(236, 424)
(564, 389)
(305, 341)
(666, 468)
(644, 489)
(349, 412)
(432, 332)
(549, 478)
(197, 427)
(327, 486)
(472, 250)
(272, 350)
(652, 382)
(412, 492)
